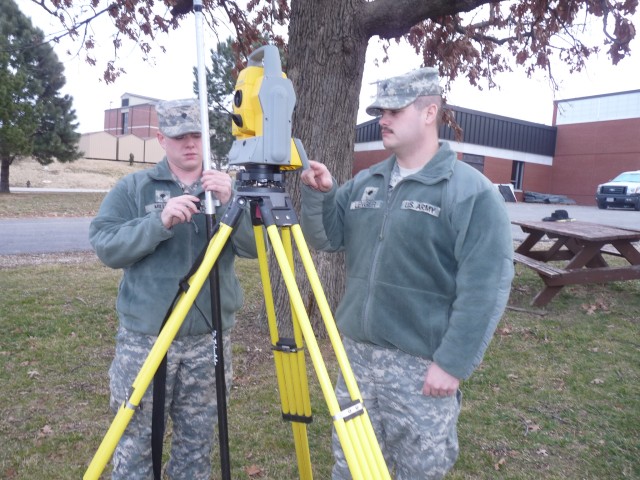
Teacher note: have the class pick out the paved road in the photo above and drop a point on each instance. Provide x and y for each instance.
(44, 235)
(55, 235)
(56, 190)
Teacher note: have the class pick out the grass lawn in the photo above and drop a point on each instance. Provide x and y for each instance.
(557, 396)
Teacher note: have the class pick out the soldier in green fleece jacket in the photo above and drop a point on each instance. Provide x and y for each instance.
(150, 226)
(429, 267)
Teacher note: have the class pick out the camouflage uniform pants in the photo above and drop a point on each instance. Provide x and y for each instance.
(190, 402)
(417, 434)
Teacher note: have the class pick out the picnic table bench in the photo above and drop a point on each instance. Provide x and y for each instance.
(577, 250)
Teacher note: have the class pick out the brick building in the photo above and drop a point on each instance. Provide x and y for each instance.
(136, 115)
(598, 138)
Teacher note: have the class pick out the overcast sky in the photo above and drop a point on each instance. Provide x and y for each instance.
(169, 76)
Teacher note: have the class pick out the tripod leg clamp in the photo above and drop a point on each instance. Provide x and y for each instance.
(130, 405)
(350, 411)
(286, 345)
(290, 417)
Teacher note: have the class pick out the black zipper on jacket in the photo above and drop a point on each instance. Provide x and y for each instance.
(389, 196)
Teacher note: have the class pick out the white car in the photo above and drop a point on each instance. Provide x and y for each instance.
(622, 191)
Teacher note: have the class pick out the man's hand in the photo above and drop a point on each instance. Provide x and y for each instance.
(218, 183)
(317, 176)
(179, 210)
(438, 383)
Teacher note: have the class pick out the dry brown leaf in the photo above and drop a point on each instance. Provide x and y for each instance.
(10, 473)
(254, 471)
(504, 331)
(500, 463)
(589, 309)
(592, 308)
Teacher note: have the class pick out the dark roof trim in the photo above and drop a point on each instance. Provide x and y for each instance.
(492, 115)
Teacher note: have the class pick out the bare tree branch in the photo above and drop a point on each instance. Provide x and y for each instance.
(394, 18)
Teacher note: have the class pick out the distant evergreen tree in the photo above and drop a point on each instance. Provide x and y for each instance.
(35, 121)
(220, 88)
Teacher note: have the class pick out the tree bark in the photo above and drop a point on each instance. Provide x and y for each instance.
(4, 175)
(325, 63)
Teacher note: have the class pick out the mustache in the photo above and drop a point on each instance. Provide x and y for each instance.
(386, 130)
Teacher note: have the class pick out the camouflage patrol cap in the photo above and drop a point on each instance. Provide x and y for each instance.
(178, 117)
(397, 92)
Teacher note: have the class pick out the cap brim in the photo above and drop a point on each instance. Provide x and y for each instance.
(374, 111)
(389, 103)
(174, 132)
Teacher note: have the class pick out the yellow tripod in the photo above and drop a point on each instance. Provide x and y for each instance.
(271, 207)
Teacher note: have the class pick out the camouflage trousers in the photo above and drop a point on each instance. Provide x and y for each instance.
(417, 434)
(190, 402)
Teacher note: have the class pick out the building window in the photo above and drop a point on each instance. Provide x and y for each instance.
(476, 161)
(517, 172)
(125, 102)
(125, 123)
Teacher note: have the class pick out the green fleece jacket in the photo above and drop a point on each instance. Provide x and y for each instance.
(429, 263)
(127, 233)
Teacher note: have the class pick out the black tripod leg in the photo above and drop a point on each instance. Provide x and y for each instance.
(230, 219)
(221, 383)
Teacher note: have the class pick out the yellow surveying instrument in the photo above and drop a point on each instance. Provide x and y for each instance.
(262, 107)
(263, 104)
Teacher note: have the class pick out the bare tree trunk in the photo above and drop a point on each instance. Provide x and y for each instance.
(325, 64)
(4, 175)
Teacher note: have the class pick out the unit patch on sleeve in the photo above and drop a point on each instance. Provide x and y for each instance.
(421, 207)
(367, 200)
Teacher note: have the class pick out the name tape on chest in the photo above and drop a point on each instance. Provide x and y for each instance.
(366, 204)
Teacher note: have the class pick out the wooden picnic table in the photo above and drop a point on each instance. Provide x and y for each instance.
(581, 247)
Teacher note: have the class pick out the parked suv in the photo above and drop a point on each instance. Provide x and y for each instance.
(622, 191)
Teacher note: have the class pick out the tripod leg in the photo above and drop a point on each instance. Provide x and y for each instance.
(352, 424)
(288, 356)
(365, 429)
(299, 371)
(155, 356)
